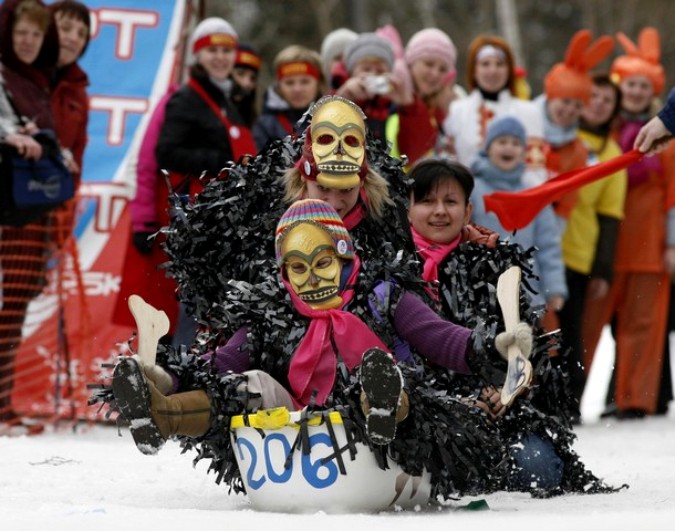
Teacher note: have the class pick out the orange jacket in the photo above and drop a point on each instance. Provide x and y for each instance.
(642, 235)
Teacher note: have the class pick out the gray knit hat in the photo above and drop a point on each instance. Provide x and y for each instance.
(368, 45)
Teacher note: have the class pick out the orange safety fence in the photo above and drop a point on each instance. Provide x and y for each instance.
(44, 328)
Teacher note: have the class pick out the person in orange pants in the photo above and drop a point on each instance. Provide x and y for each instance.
(639, 302)
(645, 256)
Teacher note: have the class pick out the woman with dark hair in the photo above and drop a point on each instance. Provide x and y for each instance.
(589, 239)
(69, 99)
(463, 264)
(69, 90)
(29, 50)
(245, 74)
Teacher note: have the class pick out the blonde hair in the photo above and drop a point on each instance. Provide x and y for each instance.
(375, 186)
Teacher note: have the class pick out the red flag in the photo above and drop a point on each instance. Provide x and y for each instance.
(516, 210)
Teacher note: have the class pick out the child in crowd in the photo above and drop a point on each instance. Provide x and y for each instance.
(299, 83)
(500, 166)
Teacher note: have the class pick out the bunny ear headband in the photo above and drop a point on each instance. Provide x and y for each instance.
(641, 60)
(571, 79)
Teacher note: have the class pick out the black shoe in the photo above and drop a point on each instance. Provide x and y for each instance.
(575, 419)
(610, 411)
(661, 410)
(630, 414)
(382, 383)
(132, 395)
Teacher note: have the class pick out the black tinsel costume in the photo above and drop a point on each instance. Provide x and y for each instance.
(227, 232)
(468, 293)
(452, 440)
(221, 249)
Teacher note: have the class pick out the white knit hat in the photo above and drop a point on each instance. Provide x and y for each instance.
(333, 46)
(213, 31)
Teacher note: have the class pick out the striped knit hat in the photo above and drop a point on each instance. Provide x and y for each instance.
(319, 213)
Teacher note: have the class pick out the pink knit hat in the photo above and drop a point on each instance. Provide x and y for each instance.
(432, 42)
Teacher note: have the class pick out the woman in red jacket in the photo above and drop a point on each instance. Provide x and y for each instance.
(69, 100)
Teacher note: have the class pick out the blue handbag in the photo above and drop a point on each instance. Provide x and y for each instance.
(31, 188)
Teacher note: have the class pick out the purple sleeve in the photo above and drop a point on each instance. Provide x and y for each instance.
(440, 341)
(231, 356)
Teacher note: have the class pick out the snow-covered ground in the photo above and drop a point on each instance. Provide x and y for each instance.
(98, 481)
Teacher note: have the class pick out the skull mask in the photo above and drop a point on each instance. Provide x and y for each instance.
(312, 265)
(338, 135)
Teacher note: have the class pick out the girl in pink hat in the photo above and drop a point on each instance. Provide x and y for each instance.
(415, 130)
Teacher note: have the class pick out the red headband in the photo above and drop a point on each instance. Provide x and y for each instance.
(249, 59)
(298, 69)
(215, 39)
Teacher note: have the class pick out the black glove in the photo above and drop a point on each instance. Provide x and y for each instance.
(143, 241)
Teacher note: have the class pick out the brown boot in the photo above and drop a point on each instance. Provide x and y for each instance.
(403, 407)
(401, 410)
(153, 417)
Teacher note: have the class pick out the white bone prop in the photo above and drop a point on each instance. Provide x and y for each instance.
(519, 372)
(152, 324)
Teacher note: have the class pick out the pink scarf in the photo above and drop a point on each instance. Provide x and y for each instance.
(433, 253)
(314, 362)
(356, 214)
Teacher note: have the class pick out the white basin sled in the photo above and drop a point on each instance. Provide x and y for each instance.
(307, 482)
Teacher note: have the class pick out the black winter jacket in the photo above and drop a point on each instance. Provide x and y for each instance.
(193, 139)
